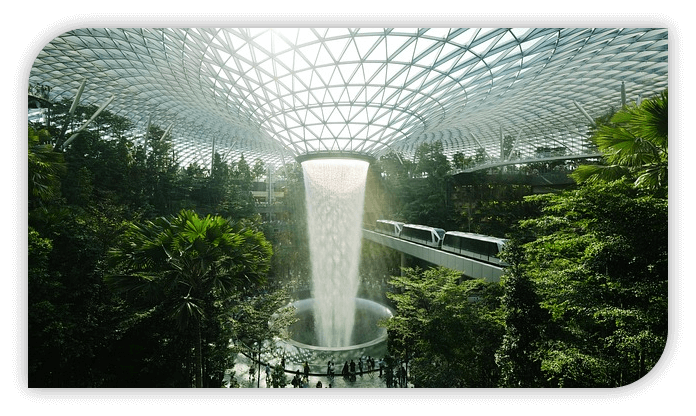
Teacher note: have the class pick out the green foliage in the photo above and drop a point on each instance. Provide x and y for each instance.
(278, 377)
(258, 170)
(81, 200)
(518, 355)
(583, 302)
(603, 280)
(431, 161)
(188, 265)
(420, 188)
(71, 315)
(191, 256)
(634, 144)
(258, 321)
(460, 161)
(265, 316)
(446, 327)
(45, 168)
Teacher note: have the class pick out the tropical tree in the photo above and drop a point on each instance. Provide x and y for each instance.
(431, 160)
(45, 168)
(70, 313)
(460, 161)
(258, 170)
(278, 377)
(185, 263)
(393, 166)
(257, 321)
(445, 327)
(598, 260)
(518, 356)
(634, 145)
(420, 189)
(240, 202)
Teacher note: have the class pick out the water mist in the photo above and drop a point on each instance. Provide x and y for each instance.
(335, 195)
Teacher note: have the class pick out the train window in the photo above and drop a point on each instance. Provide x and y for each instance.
(453, 241)
(417, 233)
(481, 247)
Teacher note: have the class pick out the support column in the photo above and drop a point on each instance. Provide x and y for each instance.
(76, 100)
(403, 263)
(584, 113)
(212, 158)
(76, 133)
(514, 145)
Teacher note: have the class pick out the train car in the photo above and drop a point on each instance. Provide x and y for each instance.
(421, 234)
(477, 246)
(388, 227)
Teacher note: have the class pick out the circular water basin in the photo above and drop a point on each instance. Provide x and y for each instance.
(369, 339)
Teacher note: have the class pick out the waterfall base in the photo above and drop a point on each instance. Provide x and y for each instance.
(369, 339)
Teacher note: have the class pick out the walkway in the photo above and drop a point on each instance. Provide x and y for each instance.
(583, 154)
(241, 374)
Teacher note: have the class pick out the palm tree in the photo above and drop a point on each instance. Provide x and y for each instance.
(185, 263)
(45, 168)
(634, 144)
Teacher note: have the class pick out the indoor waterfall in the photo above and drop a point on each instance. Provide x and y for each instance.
(335, 194)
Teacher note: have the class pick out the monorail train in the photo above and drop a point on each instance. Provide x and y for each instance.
(388, 227)
(421, 234)
(476, 246)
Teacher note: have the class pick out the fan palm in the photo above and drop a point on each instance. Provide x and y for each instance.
(634, 144)
(183, 262)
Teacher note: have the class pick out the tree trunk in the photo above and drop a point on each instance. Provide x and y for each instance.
(199, 356)
(258, 380)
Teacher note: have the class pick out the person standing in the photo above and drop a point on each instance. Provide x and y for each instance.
(306, 371)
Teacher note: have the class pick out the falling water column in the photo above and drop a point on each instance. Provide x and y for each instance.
(335, 195)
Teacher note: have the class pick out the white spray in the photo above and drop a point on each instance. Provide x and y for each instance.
(335, 195)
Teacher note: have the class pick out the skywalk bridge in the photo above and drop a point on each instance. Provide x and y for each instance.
(469, 267)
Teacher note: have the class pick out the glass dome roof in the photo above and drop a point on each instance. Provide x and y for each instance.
(278, 94)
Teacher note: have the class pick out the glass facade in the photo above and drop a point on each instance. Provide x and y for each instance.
(500, 93)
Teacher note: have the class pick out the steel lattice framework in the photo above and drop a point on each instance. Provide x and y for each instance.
(277, 94)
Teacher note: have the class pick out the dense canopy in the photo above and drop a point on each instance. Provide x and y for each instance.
(277, 94)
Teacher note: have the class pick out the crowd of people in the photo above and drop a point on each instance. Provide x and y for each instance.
(349, 372)
(393, 372)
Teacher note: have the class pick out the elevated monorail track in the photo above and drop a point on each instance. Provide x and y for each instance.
(469, 267)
